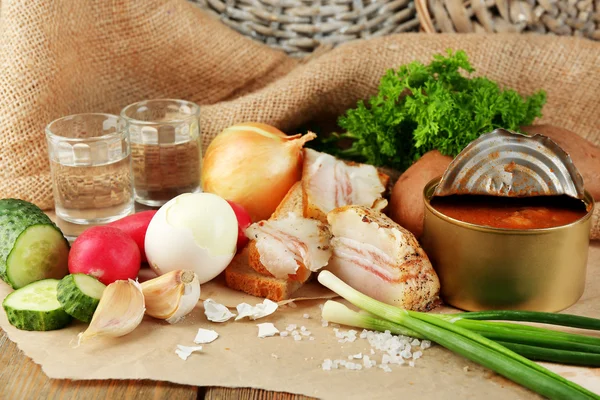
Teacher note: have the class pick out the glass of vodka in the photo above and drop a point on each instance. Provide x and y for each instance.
(166, 151)
(90, 163)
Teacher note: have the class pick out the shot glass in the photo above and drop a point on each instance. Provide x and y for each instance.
(90, 163)
(166, 150)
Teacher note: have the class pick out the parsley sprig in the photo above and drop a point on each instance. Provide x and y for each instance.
(423, 107)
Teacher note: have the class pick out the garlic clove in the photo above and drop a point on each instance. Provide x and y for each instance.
(120, 310)
(172, 296)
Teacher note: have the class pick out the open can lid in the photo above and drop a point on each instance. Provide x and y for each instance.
(510, 164)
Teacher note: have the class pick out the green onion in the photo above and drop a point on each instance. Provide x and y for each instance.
(531, 335)
(574, 321)
(338, 313)
(466, 343)
(553, 355)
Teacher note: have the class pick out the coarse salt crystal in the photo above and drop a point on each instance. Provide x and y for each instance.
(305, 333)
(274, 355)
(205, 336)
(306, 316)
(297, 337)
(267, 330)
(324, 323)
(385, 367)
(311, 338)
(283, 333)
(416, 355)
(290, 327)
(415, 342)
(411, 363)
(425, 344)
(303, 328)
(372, 351)
(358, 356)
(367, 362)
(326, 365)
(295, 333)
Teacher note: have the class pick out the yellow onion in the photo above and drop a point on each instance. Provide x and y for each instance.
(254, 165)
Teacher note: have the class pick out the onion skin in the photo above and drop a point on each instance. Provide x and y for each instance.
(253, 165)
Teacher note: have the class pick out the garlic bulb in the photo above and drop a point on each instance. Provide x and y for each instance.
(172, 296)
(120, 311)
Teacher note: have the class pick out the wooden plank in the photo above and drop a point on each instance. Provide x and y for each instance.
(21, 378)
(218, 393)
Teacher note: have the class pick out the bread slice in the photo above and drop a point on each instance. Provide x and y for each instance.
(239, 276)
(292, 202)
(329, 183)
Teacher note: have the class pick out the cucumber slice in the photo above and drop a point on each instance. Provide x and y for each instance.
(32, 246)
(79, 295)
(35, 307)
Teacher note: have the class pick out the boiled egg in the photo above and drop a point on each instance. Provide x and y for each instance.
(193, 231)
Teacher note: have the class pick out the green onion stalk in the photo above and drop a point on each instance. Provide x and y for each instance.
(462, 341)
(338, 313)
(574, 321)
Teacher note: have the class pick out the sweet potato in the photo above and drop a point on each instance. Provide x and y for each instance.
(406, 201)
(585, 155)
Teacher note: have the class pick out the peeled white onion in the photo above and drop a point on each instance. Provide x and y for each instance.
(193, 231)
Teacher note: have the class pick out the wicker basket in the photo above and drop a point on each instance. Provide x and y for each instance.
(561, 17)
(298, 27)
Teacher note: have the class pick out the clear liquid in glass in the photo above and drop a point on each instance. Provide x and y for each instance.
(92, 194)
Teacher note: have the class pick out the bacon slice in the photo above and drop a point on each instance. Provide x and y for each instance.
(381, 259)
(328, 183)
(286, 243)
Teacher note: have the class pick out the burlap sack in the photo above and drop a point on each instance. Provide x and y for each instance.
(62, 57)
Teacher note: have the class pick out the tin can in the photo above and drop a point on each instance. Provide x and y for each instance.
(485, 268)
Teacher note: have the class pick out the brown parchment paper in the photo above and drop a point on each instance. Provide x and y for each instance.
(239, 359)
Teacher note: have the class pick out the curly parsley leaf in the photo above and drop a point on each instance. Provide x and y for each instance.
(420, 107)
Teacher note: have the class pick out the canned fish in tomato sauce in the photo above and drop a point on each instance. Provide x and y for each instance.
(503, 253)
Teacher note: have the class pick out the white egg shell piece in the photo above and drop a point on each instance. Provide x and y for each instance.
(193, 231)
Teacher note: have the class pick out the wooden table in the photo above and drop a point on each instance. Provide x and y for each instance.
(21, 378)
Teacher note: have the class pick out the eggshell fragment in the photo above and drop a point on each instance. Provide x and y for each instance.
(216, 312)
(266, 330)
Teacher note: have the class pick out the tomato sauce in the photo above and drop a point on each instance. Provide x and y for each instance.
(511, 213)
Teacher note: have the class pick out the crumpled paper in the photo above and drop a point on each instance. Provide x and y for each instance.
(238, 358)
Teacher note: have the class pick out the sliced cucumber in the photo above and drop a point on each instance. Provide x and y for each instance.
(32, 247)
(35, 307)
(79, 295)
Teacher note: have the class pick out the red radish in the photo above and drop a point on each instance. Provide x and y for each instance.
(136, 225)
(244, 221)
(106, 253)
